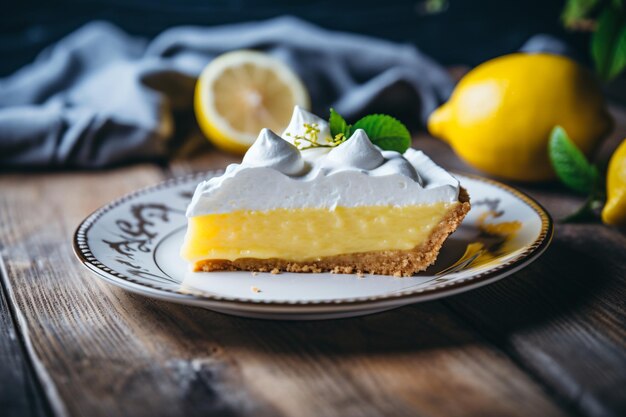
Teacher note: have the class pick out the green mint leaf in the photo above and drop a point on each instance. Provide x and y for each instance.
(338, 124)
(570, 164)
(386, 132)
(608, 43)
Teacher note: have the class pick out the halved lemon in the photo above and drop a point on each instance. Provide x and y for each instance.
(241, 92)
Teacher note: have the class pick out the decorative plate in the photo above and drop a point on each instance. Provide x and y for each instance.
(134, 242)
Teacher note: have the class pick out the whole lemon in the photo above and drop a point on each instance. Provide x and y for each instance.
(614, 211)
(500, 115)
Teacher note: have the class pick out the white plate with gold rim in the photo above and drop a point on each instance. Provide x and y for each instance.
(134, 242)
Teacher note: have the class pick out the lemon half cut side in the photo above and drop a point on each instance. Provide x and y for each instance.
(241, 92)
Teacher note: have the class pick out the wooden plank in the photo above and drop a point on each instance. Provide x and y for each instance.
(20, 395)
(108, 352)
(411, 361)
(563, 318)
(100, 360)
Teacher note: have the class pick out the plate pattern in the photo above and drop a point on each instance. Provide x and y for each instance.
(140, 223)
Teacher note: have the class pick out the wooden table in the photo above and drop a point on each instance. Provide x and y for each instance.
(549, 340)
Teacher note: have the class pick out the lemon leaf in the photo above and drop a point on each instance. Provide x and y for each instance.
(570, 164)
(608, 43)
(338, 124)
(386, 132)
(576, 11)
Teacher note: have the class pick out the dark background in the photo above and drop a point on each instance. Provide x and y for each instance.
(465, 32)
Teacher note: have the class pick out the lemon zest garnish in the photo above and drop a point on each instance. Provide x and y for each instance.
(311, 136)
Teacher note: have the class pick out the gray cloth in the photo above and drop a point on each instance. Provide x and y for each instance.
(100, 97)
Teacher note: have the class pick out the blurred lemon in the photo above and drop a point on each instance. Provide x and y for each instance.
(241, 92)
(614, 212)
(501, 113)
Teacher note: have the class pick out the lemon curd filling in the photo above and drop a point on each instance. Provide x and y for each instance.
(296, 234)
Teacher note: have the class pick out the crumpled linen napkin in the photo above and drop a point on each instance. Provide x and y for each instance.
(100, 97)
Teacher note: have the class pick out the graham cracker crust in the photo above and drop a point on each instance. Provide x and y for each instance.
(389, 262)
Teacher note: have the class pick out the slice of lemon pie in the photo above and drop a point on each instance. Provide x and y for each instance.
(348, 207)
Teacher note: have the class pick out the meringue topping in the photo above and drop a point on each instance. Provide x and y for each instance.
(271, 151)
(276, 174)
(356, 152)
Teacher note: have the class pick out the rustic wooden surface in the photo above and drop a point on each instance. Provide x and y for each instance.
(548, 341)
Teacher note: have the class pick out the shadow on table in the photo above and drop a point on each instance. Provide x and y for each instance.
(422, 326)
(578, 273)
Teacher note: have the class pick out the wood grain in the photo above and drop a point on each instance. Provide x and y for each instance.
(563, 319)
(20, 395)
(98, 363)
(548, 341)
(405, 362)
(107, 352)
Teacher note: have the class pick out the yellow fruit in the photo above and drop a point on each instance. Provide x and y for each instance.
(241, 92)
(500, 115)
(614, 212)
